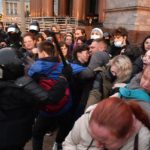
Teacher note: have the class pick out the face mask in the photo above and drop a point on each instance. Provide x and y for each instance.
(14, 36)
(95, 37)
(118, 43)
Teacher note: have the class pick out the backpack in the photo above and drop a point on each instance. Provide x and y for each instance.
(47, 84)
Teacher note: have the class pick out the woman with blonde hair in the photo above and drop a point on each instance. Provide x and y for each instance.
(118, 70)
(121, 67)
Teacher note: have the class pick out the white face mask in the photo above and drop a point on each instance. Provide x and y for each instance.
(118, 43)
(95, 37)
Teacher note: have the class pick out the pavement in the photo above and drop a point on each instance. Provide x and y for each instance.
(47, 144)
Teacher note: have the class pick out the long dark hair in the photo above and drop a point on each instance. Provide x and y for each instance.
(142, 46)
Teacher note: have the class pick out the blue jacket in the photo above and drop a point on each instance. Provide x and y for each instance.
(51, 69)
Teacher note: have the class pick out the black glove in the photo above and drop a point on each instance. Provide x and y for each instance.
(67, 72)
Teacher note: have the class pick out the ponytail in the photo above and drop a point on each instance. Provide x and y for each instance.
(139, 113)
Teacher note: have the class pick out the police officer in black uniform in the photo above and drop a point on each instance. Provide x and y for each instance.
(34, 28)
(14, 36)
(18, 97)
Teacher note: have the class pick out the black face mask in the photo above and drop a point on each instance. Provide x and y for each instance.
(14, 37)
(34, 32)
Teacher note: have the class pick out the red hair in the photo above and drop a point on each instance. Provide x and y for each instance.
(117, 115)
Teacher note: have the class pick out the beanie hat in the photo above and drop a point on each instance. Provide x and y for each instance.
(98, 30)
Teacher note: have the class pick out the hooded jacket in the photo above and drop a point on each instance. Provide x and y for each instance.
(51, 67)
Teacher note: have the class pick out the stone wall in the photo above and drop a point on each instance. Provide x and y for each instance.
(131, 14)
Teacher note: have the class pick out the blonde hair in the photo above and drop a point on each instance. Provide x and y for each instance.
(124, 66)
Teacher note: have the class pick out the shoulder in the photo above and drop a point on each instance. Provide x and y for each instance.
(101, 54)
(144, 138)
(83, 121)
(4, 84)
(99, 59)
(135, 81)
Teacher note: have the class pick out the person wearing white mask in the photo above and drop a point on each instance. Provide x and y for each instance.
(120, 41)
(96, 33)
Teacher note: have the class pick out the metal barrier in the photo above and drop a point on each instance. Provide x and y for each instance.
(66, 24)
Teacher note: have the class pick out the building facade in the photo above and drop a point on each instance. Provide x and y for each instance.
(1, 14)
(81, 9)
(0, 6)
(13, 9)
(133, 15)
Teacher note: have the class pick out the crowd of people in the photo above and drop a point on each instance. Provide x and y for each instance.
(94, 91)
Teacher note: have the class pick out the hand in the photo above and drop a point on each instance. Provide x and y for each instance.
(118, 85)
(3, 44)
(67, 72)
(35, 50)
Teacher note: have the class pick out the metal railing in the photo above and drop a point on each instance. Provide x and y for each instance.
(66, 24)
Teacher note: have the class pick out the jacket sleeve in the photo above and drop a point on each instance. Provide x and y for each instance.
(87, 74)
(79, 137)
(73, 138)
(98, 59)
(40, 95)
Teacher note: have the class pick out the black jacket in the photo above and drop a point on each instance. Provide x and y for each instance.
(17, 108)
(3, 36)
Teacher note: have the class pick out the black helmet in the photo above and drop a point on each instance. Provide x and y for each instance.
(13, 28)
(11, 66)
(34, 26)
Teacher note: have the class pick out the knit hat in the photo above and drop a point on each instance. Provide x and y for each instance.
(99, 31)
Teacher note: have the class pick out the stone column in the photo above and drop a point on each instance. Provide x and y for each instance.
(35, 8)
(79, 9)
(62, 7)
(32, 11)
(4, 7)
(101, 8)
(22, 16)
(47, 8)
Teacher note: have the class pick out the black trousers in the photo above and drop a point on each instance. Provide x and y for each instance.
(45, 124)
